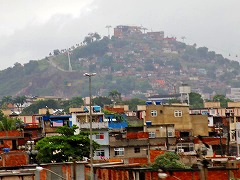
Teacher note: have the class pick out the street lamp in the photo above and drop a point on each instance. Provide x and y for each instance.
(90, 122)
(39, 168)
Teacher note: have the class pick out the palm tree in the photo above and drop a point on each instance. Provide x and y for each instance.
(6, 100)
(7, 124)
(115, 95)
(87, 40)
(19, 101)
(96, 36)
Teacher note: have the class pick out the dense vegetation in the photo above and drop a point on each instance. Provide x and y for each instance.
(64, 148)
(167, 161)
(51, 76)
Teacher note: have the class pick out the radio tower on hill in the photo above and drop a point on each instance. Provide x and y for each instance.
(69, 61)
(108, 27)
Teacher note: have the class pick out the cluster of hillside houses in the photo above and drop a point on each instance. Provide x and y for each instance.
(128, 135)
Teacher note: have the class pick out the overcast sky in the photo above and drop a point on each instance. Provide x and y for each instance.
(30, 30)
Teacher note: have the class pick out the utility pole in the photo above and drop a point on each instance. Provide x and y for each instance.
(201, 151)
(167, 137)
(90, 122)
(227, 114)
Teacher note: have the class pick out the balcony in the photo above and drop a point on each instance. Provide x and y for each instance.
(185, 139)
(32, 126)
(160, 141)
(127, 142)
(95, 125)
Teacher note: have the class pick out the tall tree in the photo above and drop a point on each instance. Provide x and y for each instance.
(33, 108)
(87, 40)
(133, 103)
(19, 101)
(7, 123)
(5, 101)
(101, 101)
(222, 99)
(76, 101)
(64, 148)
(115, 95)
(195, 100)
(96, 36)
(168, 161)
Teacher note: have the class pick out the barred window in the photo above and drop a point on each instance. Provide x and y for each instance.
(177, 113)
(119, 151)
(153, 113)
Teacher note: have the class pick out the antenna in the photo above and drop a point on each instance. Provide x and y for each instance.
(69, 61)
(108, 27)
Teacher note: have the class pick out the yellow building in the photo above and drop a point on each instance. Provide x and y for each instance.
(175, 121)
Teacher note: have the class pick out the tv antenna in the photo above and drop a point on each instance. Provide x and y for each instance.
(108, 27)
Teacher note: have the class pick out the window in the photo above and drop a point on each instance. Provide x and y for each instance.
(100, 136)
(177, 113)
(238, 133)
(232, 119)
(151, 134)
(119, 151)
(137, 149)
(100, 153)
(153, 113)
(185, 147)
(170, 134)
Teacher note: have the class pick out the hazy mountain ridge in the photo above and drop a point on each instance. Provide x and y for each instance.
(133, 65)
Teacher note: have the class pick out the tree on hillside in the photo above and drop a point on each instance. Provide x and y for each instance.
(202, 52)
(5, 101)
(76, 102)
(101, 101)
(167, 161)
(222, 99)
(132, 103)
(56, 52)
(87, 40)
(96, 36)
(34, 108)
(195, 100)
(64, 148)
(31, 67)
(19, 101)
(7, 124)
(115, 95)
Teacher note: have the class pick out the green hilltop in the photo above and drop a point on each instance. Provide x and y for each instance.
(136, 65)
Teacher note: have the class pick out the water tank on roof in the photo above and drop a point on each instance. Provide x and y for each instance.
(149, 102)
(96, 109)
(158, 102)
(85, 109)
(6, 150)
(184, 89)
(148, 123)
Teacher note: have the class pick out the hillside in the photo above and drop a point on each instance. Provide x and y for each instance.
(133, 62)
